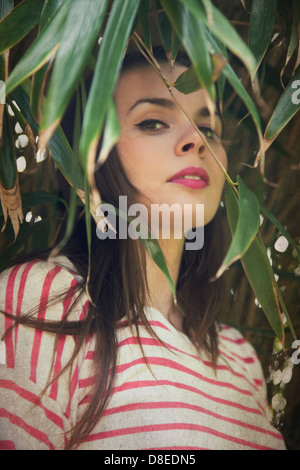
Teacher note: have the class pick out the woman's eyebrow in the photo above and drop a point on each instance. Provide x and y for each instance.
(163, 102)
(170, 104)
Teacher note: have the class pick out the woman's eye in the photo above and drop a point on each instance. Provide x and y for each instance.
(208, 132)
(151, 125)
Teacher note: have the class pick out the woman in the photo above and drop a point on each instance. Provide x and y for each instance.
(124, 366)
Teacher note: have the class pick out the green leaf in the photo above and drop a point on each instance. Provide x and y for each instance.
(5, 7)
(40, 197)
(235, 82)
(188, 81)
(107, 70)
(258, 270)
(221, 28)
(79, 34)
(295, 34)
(246, 228)
(41, 51)
(192, 35)
(19, 22)
(261, 27)
(281, 228)
(144, 20)
(8, 166)
(59, 146)
(154, 250)
(111, 132)
(50, 8)
(164, 27)
(73, 200)
(287, 106)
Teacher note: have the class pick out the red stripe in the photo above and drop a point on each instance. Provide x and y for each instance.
(87, 382)
(231, 356)
(9, 298)
(124, 323)
(174, 365)
(41, 316)
(57, 366)
(72, 389)
(173, 427)
(90, 355)
(7, 445)
(198, 409)
(240, 340)
(25, 273)
(34, 399)
(154, 342)
(259, 382)
(151, 383)
(34, 432)
(84, 310)
(61, 342)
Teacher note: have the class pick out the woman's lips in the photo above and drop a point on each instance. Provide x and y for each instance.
(191, 177)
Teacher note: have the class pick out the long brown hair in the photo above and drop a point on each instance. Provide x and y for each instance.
(118, 288)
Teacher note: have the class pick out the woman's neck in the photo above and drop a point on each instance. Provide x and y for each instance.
(160, 294)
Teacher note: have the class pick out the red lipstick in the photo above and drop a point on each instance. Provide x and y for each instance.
(191, 177)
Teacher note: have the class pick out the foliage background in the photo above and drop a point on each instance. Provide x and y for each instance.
(282, 168)
(282, 198)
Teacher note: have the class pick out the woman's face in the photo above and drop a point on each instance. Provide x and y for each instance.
(161, 152)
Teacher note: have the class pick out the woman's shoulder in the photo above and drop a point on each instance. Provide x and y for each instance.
(235, 347)
(46, 288)
(37, 365)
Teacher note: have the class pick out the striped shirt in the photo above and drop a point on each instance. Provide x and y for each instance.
(177, 401)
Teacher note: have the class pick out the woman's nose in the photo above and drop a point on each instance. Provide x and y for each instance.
(191, 142)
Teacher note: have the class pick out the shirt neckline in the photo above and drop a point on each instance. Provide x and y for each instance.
(153, 314)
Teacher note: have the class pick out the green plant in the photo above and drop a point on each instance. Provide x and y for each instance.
(59, 41)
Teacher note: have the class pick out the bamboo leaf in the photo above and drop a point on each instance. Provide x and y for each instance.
(121, 19)
(8, 166)
(9, 184)
(235, 82)
(73, 200)
(19, 22)
(111, 132)
(281, 228)
(192, 35)
(41, 51)
(40, 197)
(188, 81)
(79, 34)
(164, 27)
(38, 82)
(154, 250)
(5, 7)
(287, 106)
(221, 28)
(261, 27)
(58, 146)
(258, 270)
(144, 20)
(246, 228)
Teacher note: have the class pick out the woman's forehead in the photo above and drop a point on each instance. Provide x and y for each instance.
(142, 80)
(144, 83)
